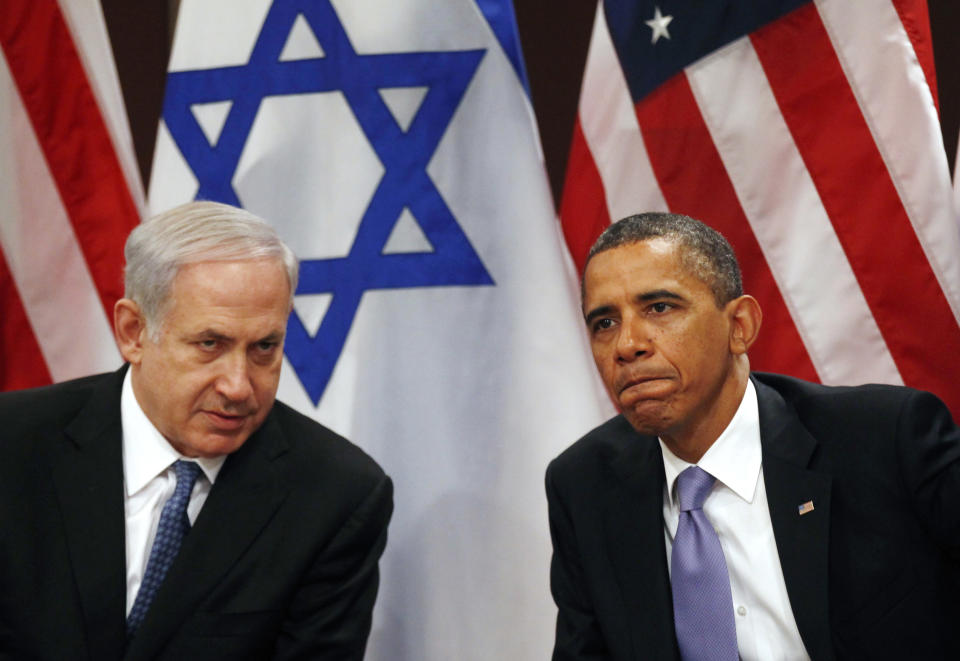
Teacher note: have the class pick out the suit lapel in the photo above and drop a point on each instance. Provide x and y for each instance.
(247, 493)
(802, 539)
(87, 472)
(633, 525)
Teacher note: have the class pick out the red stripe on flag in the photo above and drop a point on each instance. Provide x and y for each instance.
(583, 209)
(916, 21)
(21, 362)
(73, 136)
(695, 182)
(856, 190)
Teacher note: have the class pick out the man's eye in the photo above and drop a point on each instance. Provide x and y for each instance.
(207, 344)
(266, 347)
(661, 307)
(603, 324)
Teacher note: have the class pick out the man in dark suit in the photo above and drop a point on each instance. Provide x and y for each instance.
(173, 509)
(837, 510)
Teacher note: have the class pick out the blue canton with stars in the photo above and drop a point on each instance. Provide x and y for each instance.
(697, 29)
(403, 154)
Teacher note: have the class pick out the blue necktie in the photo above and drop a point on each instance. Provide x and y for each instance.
(173, 525)
(702, 604)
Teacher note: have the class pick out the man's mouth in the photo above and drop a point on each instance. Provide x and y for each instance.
(226, 420)
(639, 381)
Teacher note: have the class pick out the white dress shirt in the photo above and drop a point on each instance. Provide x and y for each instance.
(148, 482)
(737, 509)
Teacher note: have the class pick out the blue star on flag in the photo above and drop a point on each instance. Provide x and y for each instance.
(404, 155)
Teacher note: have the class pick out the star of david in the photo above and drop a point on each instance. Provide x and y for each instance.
(404, 155)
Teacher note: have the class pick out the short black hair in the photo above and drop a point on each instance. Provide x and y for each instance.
(703, 250)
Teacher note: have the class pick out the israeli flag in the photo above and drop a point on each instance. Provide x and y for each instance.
(437, 322)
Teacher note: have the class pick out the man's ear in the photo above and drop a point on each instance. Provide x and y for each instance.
(745, 319)
(129, 329)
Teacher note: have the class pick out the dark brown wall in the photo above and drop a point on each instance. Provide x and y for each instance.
(944, 21)
(555, 37)
(140, 33)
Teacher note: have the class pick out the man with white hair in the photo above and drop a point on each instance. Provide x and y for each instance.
(173, 509)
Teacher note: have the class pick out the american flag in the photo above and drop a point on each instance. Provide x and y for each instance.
(69, 192)
(807, 133)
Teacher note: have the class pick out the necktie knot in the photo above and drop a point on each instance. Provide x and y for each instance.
(693, 485)
(187, 473)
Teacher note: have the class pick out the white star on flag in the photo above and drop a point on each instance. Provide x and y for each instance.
(659, 24)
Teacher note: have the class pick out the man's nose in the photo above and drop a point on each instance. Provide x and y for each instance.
(633, 341)
(234, 382)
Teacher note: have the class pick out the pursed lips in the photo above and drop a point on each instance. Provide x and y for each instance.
(639, 380)
(228, 420)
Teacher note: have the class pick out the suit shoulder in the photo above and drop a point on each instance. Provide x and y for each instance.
(867, 400)
(320, 448)
(869, 412)
(47, 406)
(597, 447)
(49, 395)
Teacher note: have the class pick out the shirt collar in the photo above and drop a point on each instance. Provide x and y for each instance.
(734, 458)
(146, 453)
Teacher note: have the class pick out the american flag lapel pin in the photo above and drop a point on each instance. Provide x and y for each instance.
(805, 508)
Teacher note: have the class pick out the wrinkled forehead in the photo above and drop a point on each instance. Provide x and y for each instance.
(251, 285)
(663, 255)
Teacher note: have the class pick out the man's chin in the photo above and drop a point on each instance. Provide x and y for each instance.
(647, 417)
(213, 444)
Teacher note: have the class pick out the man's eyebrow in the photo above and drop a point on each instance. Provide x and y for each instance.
(208, 334)
(644, 297)
(275, 336)
(601, 311)
(658, 294)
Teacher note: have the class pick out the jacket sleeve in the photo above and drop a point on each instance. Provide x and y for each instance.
(929, 452)
(331, 614)
(578, 636)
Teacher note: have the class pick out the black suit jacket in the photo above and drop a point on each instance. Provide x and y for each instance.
(871, 572)
(280, 563)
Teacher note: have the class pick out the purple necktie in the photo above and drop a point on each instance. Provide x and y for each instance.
(702, 605)
(171, 530)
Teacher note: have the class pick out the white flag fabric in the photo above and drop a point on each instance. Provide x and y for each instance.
(69, 192)
(437, 322)
(956, 183)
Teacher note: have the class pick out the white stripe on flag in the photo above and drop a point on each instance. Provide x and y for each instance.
(85, 21)
(610, 127)
(58, 293)
(956, 186)
(788, 218)
(888, 82)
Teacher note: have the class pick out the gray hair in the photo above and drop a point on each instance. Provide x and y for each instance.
(190, 233)
(703, 251)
